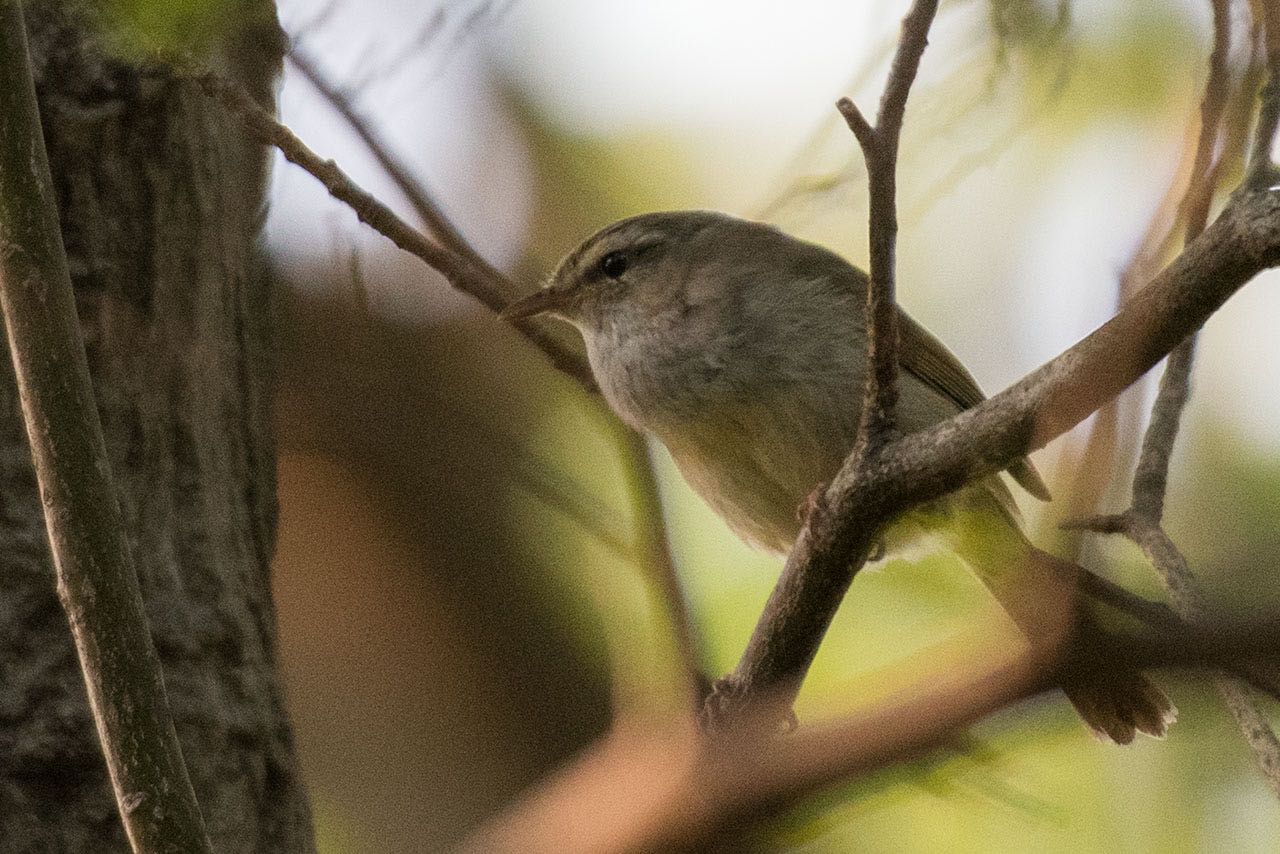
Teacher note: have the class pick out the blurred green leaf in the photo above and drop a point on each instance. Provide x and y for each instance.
(178, 26)
(1031, 24)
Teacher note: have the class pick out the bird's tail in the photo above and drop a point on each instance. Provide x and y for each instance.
(1038, 591)
(1117, 703)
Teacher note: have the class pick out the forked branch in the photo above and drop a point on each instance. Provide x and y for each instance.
(982, 441)
(1142, 522)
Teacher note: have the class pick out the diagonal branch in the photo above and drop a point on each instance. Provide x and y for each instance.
(416, 190)
(96, 579)
(461, 271)
(668, 790)
(476, 276)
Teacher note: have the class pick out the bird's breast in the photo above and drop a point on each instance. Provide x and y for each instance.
(656, 378)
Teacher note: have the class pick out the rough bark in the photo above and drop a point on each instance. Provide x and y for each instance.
(160, 199)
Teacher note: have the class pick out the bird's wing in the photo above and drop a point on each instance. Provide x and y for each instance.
(929, 360)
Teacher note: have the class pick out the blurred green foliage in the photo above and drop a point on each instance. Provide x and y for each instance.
(1021, 24)
(1126, 71)
(187, 27)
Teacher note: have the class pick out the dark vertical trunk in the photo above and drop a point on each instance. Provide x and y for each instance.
(161, 200)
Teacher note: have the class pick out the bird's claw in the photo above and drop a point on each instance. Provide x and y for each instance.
(811, 503)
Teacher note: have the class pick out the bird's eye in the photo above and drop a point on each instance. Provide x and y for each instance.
(613, 265)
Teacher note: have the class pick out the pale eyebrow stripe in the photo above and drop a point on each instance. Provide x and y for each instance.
(641, 244)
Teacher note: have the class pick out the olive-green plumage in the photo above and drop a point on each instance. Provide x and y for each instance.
(743, 351)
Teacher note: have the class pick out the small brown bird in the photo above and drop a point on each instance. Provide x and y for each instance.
(743, 350)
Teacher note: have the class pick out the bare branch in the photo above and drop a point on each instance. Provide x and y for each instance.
(902, 74)
(415, 189)
(1261, 170)
(1151, 480)
(857, 122)
(839, 532)
(461, 272)
(1157, 244)
(1142, 522)
(96, 579)
(880, 150)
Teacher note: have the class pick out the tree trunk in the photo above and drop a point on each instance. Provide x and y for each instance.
(161, 199)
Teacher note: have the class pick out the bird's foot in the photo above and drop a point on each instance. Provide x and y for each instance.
(811, 503)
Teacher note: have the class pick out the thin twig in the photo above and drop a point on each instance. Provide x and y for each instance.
(1142, 522)
(1151, 478)
(459, 270)
(1261, 171)
(651, 548)
(1110, 439)
(415, 189)
(1150, 482)
(880, 151)
(1160, 242)
(902, 74)
(96, 579)
(797, 614)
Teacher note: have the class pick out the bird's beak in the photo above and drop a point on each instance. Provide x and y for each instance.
(548, 299)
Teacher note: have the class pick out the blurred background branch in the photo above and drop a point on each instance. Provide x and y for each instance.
(468, 270)
(1142, 522)
(668, 790)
